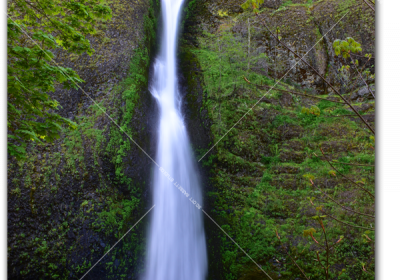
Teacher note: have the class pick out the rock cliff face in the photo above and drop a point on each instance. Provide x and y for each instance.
(259, 171)
(301, 25)
(73, 199)
(70, 201)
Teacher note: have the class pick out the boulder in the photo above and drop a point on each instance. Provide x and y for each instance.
(364, 93)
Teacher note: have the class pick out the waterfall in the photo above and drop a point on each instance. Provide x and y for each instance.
(176, 248)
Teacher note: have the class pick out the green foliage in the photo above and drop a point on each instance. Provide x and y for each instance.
(345, 47)
(31, 74)
(116, 216)
(189, 9)
(76, 156)
(16, 192)
(255, 4)
(252, 211)
(309, 176)
(313, 110)
(269, 160)
(309, 232)
(263, 167)
(225, 61)
(282, 119)
(325, 104)
(84, 203)
(119, 144)
(286, 3)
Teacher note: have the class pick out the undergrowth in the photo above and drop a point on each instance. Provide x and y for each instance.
(271, 176)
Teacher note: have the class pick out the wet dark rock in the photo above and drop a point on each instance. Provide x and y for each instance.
(364, 92)
(50, 206)
(71, 235)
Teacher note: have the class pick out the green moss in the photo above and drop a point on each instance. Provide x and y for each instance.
(71, 161)
(258, 166)
(136, 82)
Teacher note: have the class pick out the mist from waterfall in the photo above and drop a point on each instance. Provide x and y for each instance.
(176, 248)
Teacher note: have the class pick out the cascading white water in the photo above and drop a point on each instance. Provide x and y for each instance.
(176, 248)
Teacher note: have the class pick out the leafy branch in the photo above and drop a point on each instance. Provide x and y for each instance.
(35, 29)
(325, 245)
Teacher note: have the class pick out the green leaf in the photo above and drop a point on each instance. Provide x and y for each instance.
(350, 40)
(30, 134)
(309, 176)
(336, 43)
(337, 50)
(309, 232)
(344, 46)
(31, 75)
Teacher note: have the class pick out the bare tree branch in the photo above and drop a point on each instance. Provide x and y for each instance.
(293, 92)
(348, 179)
(369, 5)
(345, 208)
(341, 96)
(340, 220)
(355, 66)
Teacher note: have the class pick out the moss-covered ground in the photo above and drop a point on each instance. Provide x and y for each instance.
(269, 173)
